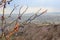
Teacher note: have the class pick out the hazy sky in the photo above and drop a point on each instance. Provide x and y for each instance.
(38, 3)
(34, 5)
(51, 5)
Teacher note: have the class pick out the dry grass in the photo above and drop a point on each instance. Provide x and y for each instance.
(41, 32)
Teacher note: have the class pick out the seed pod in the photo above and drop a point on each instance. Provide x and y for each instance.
(2, 17)
(19, 17)
(4, 6)
(8, 2)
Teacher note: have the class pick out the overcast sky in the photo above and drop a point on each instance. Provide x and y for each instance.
(34, 5)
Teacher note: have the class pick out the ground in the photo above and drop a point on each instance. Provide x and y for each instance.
(34, 31)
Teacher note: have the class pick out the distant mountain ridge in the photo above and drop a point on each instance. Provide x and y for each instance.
(48, 17)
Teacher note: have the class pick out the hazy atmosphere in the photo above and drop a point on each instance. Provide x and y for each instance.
(34, 5)
(29, 19)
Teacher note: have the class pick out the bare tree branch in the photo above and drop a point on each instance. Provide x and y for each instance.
(32, 16)
(24, 11)
(12, 11)
(19, 15)
(38, 15)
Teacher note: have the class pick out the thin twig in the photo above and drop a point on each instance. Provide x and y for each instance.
(38, 15)
(12, 12)
(24, 11)
(32, 16)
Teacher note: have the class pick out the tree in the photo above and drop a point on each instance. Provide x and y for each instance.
(4, 24)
